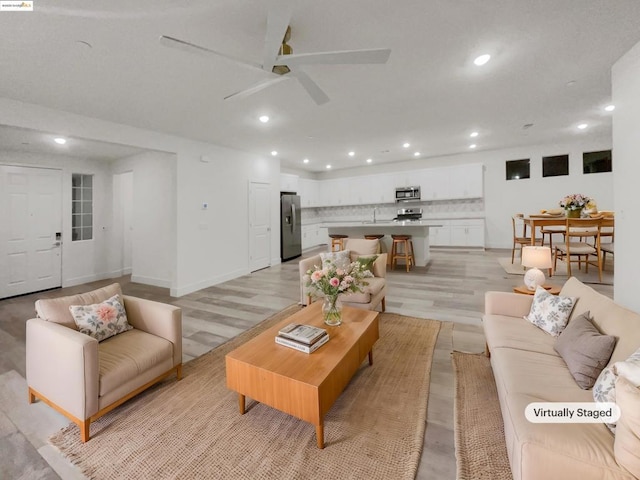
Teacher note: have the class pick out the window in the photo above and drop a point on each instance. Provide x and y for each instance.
(517, 169)
(81, 207)
(555, 166)
(596, 162)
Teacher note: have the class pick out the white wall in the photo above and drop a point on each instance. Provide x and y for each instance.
(82, 261)
(153, 239)
(626, 145)
(210, 246)
(503, 198)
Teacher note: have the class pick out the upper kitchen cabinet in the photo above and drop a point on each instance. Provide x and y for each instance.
(309, 192)
(435, 184)
(466, 181)
(382, 188)
(288, 182)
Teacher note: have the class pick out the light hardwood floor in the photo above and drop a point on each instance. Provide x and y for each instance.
(451, 289)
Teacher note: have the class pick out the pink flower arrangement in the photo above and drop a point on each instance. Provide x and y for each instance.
(331, 281)
(575, 201)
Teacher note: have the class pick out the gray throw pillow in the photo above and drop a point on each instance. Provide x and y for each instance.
(584, 349)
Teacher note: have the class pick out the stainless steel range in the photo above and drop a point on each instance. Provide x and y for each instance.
(408, 215)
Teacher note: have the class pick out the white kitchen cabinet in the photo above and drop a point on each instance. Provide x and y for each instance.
(323, 236)
(288, 182)
(308, 191)
(434, 183)
(466, 181)
(440, 236)
(467, 233)
(382, 188)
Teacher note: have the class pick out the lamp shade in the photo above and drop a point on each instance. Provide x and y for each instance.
(536, 257)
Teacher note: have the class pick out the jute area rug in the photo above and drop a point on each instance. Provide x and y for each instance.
(192, 428)
(481, 452)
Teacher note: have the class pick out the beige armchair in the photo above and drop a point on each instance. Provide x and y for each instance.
(82, 378)
(374, 293)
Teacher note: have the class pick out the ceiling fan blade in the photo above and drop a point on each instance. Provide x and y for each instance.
(178, 44)
(278, 19)
(312, 88)
(255, 88)
(379, 55)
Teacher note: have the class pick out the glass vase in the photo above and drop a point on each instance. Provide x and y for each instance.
(332, 310)
(570, 213)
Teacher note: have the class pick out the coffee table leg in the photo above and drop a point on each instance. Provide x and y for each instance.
(320, 435)
(371, 357)
(241, 403)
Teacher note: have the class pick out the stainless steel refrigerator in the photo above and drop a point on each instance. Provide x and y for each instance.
(290, 230)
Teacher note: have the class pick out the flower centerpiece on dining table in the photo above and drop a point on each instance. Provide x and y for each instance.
(574, 203)
(331, 281)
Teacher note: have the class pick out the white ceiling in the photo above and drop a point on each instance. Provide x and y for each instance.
(429, 93)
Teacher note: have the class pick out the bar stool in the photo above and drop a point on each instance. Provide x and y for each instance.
(337, 240)
(405, 253)
(376, 236)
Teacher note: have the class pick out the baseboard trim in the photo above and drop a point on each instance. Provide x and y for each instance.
(156, 282)
(210, 282)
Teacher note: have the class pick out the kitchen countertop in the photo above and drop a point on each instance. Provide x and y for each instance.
(382, 223)
(426, 218)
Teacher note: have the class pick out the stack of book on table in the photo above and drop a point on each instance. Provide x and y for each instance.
(304, 338)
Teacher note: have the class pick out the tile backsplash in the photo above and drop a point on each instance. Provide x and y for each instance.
(453, 208)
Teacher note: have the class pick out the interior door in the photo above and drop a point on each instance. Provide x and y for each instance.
(259, 226)
(30, 230)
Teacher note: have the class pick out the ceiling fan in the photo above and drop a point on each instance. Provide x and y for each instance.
(279, 61)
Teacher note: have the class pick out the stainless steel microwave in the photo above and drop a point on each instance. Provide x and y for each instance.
(407, 194)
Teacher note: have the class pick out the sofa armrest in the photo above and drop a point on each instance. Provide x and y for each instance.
(507, 303)
(160, 319)
(62, 366)
(305, 265)
(380, 266)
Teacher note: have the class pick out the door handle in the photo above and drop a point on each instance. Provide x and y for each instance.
(57, 244)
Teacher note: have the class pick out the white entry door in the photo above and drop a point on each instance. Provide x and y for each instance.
(30, 230)
(259, 226)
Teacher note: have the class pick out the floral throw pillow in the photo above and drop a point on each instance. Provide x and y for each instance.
(604, 390)
(550, 312)
(101, 320)
(340, 259)
(366, 261)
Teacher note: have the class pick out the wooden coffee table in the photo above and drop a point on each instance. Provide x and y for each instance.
(301, 384)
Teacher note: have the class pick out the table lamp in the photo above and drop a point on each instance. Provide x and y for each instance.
(536, 258)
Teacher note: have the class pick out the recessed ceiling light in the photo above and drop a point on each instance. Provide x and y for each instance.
(473, 145)
(610, 108)
(306, 160)
(264, 118)
(369, 160)
(582, 126)
(351, 154)
(274, 153)
(328, 167)
(406, 144)
(416, 154)
(482, 59)
(473, 134)
(60, 140)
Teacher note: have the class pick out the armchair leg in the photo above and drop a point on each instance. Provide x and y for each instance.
(179, 372)
(384, 304)
(32, 397)
(84, 430)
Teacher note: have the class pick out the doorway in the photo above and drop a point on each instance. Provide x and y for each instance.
(30, 229)
(123, 221)
(259, 225)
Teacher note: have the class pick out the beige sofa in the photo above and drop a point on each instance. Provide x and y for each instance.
(82, 378)
(374, 293)
(528, 369)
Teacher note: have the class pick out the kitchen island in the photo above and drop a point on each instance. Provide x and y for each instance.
(418, 229)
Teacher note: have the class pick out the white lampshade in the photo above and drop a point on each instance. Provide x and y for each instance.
(536, 258)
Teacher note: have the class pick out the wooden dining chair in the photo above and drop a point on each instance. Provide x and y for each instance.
(604, 249)
(518, 225)
(576, 231)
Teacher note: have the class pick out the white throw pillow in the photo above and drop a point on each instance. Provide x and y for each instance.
(101, 320)
(604, 390)
(340, 259)
(550, 312)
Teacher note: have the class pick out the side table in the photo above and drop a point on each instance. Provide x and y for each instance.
(552, 289)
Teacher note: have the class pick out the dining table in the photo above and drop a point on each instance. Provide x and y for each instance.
(547, 220)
